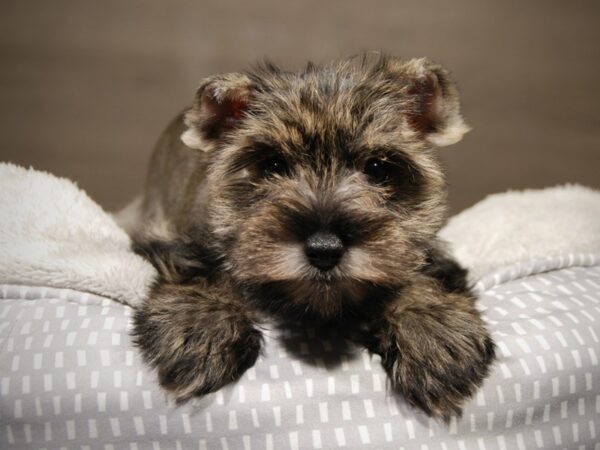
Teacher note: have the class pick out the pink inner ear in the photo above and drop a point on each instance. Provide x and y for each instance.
(425, 112)
(225, 108)
(220, 115)
(237, 108)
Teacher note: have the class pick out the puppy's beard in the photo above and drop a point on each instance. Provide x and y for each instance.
(287, 262)
(271, 263)
(286, 278)
(323, 298)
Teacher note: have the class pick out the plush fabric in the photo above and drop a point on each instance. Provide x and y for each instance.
(70, 377)
(519, 226)
(53, 234)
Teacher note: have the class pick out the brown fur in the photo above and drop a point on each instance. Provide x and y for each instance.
(204, 326)
(272, 157)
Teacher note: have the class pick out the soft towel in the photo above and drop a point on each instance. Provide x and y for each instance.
(520, 226)
(53, 234)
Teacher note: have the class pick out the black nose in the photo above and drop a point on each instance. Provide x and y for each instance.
(324, 250)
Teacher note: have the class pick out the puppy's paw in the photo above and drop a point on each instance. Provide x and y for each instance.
(196, 337)
(436, 355)
(208, 360)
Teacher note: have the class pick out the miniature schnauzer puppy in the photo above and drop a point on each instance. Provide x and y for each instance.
(312, 195)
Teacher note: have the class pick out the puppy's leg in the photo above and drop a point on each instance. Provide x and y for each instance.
(178, 260)
(434, 347)
(199, 336)
(441, 266)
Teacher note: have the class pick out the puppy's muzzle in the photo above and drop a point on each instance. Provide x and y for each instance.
(324, 250)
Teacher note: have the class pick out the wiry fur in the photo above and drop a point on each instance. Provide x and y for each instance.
(229, 241)
(433, 347)
(205, 326)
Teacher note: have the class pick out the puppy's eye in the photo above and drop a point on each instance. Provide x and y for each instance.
(273, 165)
(378, 170)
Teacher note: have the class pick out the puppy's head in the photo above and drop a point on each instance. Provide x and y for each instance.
(323, 185)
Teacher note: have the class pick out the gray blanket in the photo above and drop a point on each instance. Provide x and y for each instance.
(70, 378)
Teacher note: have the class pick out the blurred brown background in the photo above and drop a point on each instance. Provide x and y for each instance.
(86, 86)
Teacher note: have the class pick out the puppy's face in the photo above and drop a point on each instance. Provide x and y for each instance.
(322, 184)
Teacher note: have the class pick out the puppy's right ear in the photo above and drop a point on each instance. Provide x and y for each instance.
(220, 105)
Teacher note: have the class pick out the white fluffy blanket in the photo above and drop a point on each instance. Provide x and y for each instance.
(518, 226)
(53, 234)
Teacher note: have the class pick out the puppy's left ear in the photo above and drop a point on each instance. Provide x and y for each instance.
(433, 103)
(220, 105)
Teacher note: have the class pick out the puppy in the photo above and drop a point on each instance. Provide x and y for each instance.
(313, 195)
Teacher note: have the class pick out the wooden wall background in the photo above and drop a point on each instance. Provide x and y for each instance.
(86, 86)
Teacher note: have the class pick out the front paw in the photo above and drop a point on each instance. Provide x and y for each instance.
(436, 354)
(198, 343)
